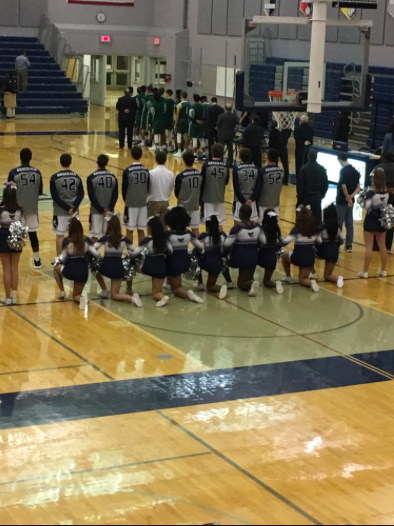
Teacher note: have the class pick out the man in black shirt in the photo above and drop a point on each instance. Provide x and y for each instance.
(348, 188)
(226, 131)
(253, 139)
(341, 129)
(213, 115)
(312, 185)
(127, 107)
(278, 140)
(303, 136)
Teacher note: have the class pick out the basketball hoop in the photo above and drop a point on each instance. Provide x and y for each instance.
(285, 119)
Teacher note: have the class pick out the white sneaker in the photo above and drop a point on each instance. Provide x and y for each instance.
(230, 286)
(163, 302)
(83, 303)
(62, 295)
(279, 287)
(199, 286)
(289, 279)
(105, 294)
(14, 301)
(178, 154)
(137, 300)
(194, 298)
(363, 275)
(223, 292)
(254, 290)
(340, 282)
(312, 276)
(6, 301)
(382, 273)
(315, 286)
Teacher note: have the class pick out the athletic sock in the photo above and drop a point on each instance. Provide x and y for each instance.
(36, 256)
(13, 294)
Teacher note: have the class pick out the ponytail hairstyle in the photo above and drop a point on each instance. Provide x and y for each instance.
(379, 181)
(10, 201)
(331, 222)
(76, 236)
(158, 234)
(213, 230)
(306, 223)
(114, 232)
(271, 227)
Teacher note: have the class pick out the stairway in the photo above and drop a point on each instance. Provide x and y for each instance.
(50, 92)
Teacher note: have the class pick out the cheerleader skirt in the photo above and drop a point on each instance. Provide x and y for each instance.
(244, 257)
(4, 248)
(76, 269)
(112, 268)
(304, 256)
(211, 263)
(155, 267)
(329, 252)
(178, 264)
(267, 259)
(372, 223)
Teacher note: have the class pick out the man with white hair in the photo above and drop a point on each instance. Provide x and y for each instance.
(303, 135)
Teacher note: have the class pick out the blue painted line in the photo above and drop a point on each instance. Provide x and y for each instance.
(242, 470)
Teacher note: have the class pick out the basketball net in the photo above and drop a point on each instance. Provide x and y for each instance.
(285, 119)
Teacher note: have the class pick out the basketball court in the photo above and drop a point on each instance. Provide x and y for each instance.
(267, 410)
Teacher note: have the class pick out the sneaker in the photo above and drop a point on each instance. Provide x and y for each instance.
(14, 301)
(105, 294)
(178, 154)
(349, 249)
(194, 298)
(83, 303)
(62, 295)
(340, 282)
(137, 300)
(382, 273)
(153, 148)
(254, 290)
(37, 264)
(199, 286)
(163, 302)
(230, 286)
(223, 292)
(279, 287)
(315, 287)
(363, 275)
(6, 301)
(290, 280)
(313, 276)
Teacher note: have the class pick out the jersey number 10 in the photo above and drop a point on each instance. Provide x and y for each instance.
(194, 182)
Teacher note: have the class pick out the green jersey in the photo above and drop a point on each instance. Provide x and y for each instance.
(196, 113)
(170, 113)
(146, 119)
(140, 103)
(158, 111)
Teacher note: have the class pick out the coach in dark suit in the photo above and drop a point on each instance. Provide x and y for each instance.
(226, 131)
(312, 185)
(253, 139)
(127, 108)
(212, 116)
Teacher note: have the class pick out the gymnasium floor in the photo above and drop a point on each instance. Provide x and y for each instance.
(275, 410)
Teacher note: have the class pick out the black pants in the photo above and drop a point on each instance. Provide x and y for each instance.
(123, 126)
(256, 156)
(212, 138)
(284, 157)
(230, 150)
(300, 158)
(314, 201)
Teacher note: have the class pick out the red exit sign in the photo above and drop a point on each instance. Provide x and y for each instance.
(106, 39)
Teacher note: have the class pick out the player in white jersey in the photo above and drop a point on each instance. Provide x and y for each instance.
(29, 188)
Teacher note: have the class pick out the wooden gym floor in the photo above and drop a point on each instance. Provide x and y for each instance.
(274, 410)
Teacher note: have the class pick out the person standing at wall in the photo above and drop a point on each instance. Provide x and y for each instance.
(226, 131)
(212, 117)
(303, 135)
(22, 64)
(182, 123)
(341, 130)
(348, 188)
(127, 107)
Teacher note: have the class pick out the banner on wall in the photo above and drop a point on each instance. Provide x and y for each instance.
(103, 2)
(390, 8)
(349, 12)
(306, 7)
(269, 7)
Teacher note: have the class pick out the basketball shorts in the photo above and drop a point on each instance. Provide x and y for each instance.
(183, 127)
(218, 209)
(262, 210)
(61, 225)
(237, 207)
(136, 218)
(97, 225)
(31, 221)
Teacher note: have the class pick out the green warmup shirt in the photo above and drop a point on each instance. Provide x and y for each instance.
(196, 113)
(139, 99)
(146, 120)
(170, 114)
(183, 123)
(158, 112)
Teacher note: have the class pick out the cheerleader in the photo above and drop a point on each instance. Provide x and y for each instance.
(243, 240)
(328, 249)
(10, 212)
(112, 266)
(154, 263)
(75, 265)
(303, 256)
(212, 258)
(268, 258)
(376, 200)
(179, 237)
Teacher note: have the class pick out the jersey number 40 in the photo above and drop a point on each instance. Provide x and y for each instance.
(105, 182)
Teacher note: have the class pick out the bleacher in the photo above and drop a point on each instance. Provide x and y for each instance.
(50, 91)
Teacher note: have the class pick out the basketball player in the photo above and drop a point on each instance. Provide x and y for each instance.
(216, 176)
(29, 188)
(67, 193)
(206, 106)
(135, 191)
(188, 186)
(148, 100)
(103, 193)
(178, 97)
(138, 119)
(245, 177)
(158, 111)
(271, 183)
(182, 123)
(196, 117)
(137, 136)
(170, 119)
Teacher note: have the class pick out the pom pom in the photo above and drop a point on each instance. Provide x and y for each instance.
(194, 271)
(279, 253)
(225, 266)
(17, 236)
(130, 271)
(362, 196)
(95, 263)
(387, 219)
(140, 260)
(58, 261)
